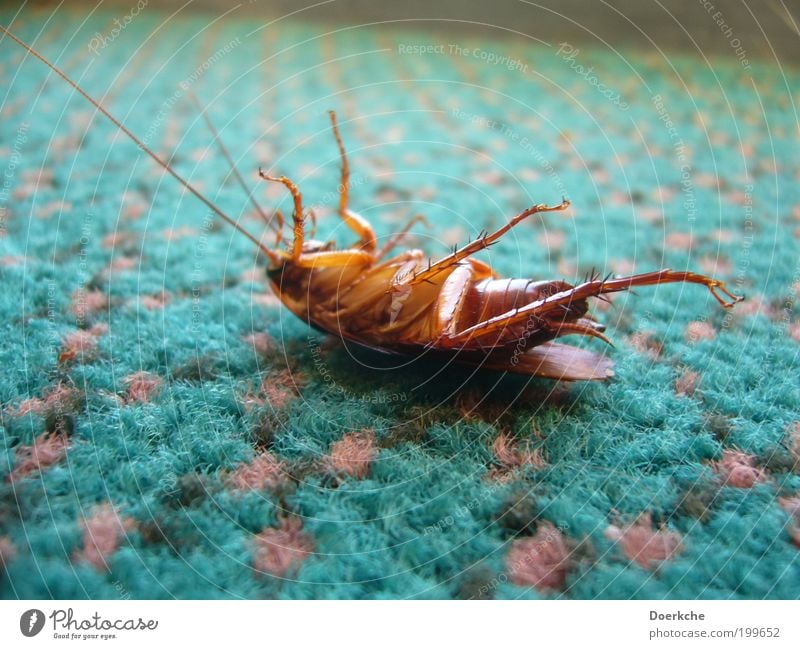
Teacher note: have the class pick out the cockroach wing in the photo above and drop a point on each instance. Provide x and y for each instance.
(554, 361)
(548, 360)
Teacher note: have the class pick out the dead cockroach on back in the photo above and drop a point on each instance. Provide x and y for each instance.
(457, 308)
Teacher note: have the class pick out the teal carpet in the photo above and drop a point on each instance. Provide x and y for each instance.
(171, 431)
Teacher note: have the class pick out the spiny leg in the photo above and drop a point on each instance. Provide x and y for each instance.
(297, 215)
(594, 288)
(481, 243)
(396, 238)
(356, 223)
(322, 259)
(668, 276)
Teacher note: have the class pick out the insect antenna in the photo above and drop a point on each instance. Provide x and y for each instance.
(165, 165)
(226, 154)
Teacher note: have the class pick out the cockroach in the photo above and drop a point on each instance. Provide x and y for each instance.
(455, 309)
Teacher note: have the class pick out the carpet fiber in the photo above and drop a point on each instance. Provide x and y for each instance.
(170, 430)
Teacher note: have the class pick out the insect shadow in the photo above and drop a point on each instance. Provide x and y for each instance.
(427, 380)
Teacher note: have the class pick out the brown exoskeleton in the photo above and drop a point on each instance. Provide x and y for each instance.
(457, 308)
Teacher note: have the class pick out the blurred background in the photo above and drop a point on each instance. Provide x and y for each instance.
(770, 28)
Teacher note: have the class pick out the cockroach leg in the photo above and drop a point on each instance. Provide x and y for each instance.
(482, 242)
(582, 328)
(398, 237)
(297, 215)
(540, 309)
(356, 223)
(320, 259)
(666, 276)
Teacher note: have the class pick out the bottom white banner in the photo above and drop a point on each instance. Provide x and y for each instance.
(398, 623)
